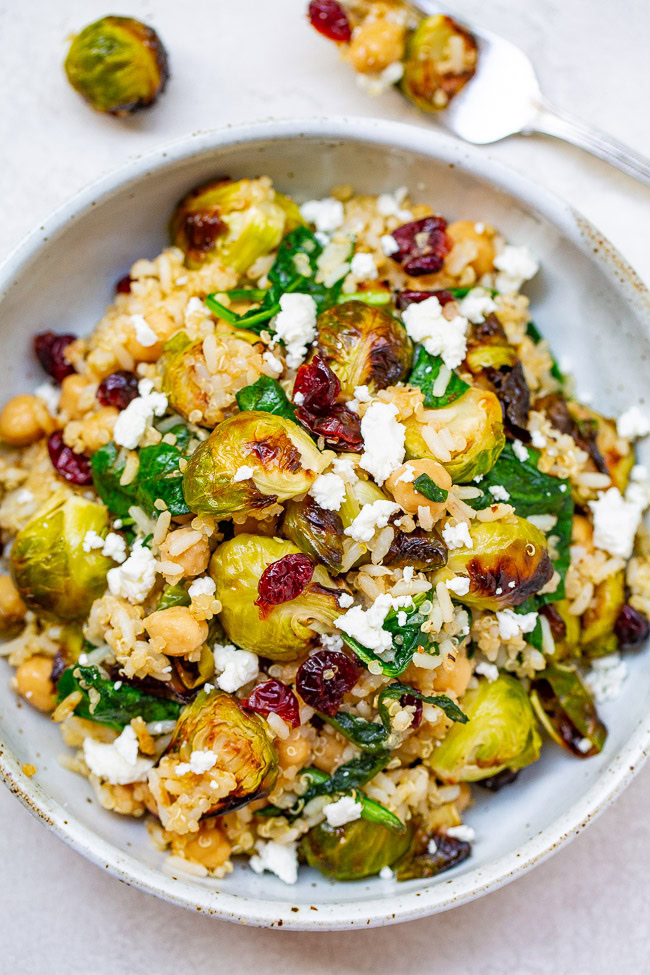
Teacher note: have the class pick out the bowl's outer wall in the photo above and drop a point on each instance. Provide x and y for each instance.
(585, 300)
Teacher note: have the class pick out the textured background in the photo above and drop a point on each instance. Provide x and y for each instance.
(587, 910)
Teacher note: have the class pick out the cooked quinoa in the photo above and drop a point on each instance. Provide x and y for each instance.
(310, 534)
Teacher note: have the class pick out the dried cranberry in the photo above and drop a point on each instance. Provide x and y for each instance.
(118, 389)
(405, 298)
(73, 467)
(341, 428)
(329, 18)
(49, 348)
(58, 667)
(123, 286)
(318, 386)
(324, 678)
(423, 245)
(407, 700)
(284, 579)
(632, 628)
(202, 230)
(274, 697)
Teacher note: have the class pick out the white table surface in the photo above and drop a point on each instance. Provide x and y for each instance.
(587, 910)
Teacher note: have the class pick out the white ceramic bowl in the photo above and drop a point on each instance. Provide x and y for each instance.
(586, 300)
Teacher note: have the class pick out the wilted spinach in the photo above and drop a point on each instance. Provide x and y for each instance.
(406, 639)
(424, 374)
(158, 477)
(116, 706)
(267, 395)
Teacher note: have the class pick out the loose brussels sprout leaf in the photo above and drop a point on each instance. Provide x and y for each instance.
(476, 417)
(424, 551)
(158, 477)
(533, 493)
(216, 722)
(597, 637)
(501, 733)
(50, 569)
(286, 629)
(448, 852)
(316, 531)
(174, 596)
(358, 849)
(425, 372)
(407, 639)
(114, 707)
(432, 74)
(191, 675)
(534, 333)
(364, 346)
(266, 395)
(283, 459)
(567, 711)
(425, 486)
(508, 563)
(381, 297)
(117, 64)
(599, 436)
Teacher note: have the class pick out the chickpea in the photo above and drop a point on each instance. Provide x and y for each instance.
(208, 846)
(407, 496)
(194, 559)
(33, 682)
(376, 44)
(465, 231)
(12, 608)
(75, 399)
(328, 753)
(163, 326)
(97, 430)
(23, 420)
(453, 674)
(176, 630)
(294, 750)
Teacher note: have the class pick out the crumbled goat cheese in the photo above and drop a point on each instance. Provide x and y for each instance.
(408, 474)
(299, 398)
(371, 517)
(134, 579)
(243, 473)
(520, 452)
(366, 625)
(24, 496)
(516, 265)
(498, 492)
(50, 394)
(388, 245)
(278, 858)
(606, 678)
(345, 469)
(545, 523)
(201, 760)
(92, 540)
(115, 547)
(513, 624)
(383, 441)
(407, 573)
(432, 846)
(616, 520)
(203, 586)
(639, 473)
(465, 833)
(326, 215)
(459, 585)
(132, 422)
(295, 324)
(390, 204)
(362, 394)
(273, 362)
(345, 600)
(235, 667)
(144, 334)
(402, 617)
(328, 491)
(386, 873)
(377, 84)
(342, 811)
(491, 671)
(118, 762)
(584, 745)
(538, 439)
(477, 305)
(331, 641)
(633, 423)
(363, 267)
(425, 323)
(457, 536)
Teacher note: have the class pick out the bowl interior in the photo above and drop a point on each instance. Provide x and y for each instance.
(584, 300)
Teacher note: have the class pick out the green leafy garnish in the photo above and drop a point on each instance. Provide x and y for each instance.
(268, 395)
(534, 333)
(406, 639)
(424, 374)
(426, 486)
(158, 477)
(115, 706)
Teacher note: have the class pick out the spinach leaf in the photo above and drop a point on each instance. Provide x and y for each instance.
(425, 486)
(534, 333)
(268, 395)
(397, 690)
(424, 374)
(183, 435)
(534, 638)
(406, 639)
(158, 476)
(115, 707)
(107, 469)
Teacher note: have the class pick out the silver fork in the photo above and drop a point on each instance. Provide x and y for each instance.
(504, 98)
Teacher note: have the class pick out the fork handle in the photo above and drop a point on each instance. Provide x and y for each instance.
(560, 124)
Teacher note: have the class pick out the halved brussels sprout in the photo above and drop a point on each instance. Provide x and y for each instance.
(603, 443)
(501, 733)
(567, 711)
(117, 64)
(248, 462)
(358, 849)
(316, 531)
(508, 563)
(597, 637)
(52, 573)
(364, 345)
(234, 221)
(476, 418)
(216, 722)
(440, 60)
(286, 629)
(425, 551)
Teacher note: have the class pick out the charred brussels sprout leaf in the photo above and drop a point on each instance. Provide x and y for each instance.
(364, 346)
(419, 549)
(50, 569)
(598, 623)
(447, 853)
(174, 596)
(500, 733)
(567, 711)
(425, 372)
(286, 630)
(114, 707)
(316, 531)
(266, 395)
(407, 639)
(278, 457)
(425, 486)
(358, 849)
(158, 477)
(432, 74)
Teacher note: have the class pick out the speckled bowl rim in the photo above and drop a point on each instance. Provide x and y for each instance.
(447, 893)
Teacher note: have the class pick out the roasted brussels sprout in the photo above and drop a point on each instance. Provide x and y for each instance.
(565, 628)
(216, 722)
(567, 711)
(283, 631)
(425, 551)
(250, 461)
(364, 346)
(440, 60)
(494, 364)
(316, 531)
(501, 733)
(51, 571)
(358, 849)
(234, 221)
(475, 418)
(507, 563)
(597, 636)
(602, 442)
(117, 64)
